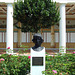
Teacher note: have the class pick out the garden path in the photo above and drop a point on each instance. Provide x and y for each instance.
(50, 52)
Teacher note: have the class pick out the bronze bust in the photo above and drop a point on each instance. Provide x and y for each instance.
(37, 40)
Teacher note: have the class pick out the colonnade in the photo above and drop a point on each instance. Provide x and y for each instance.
(62, 28)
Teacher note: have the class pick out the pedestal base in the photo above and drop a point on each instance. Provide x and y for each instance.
(37, 62)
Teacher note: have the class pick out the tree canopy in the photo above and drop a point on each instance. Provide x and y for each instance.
(36, 14)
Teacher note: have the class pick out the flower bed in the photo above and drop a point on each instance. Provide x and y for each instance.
(14, 65)
(20, 65)
(60, 65)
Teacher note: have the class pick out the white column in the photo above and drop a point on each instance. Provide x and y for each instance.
(9, 27)
(62, 29)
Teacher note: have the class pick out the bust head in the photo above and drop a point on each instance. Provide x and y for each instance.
(37, 39)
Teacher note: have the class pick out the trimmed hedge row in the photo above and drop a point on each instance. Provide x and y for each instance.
(14, 65)
(60, 65)
(20, 65)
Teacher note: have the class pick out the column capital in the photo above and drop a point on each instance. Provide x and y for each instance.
(7, 1)
(62, 4)
(64, 1)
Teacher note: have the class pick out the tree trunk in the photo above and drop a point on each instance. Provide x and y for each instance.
(19, 35)
(52, 37)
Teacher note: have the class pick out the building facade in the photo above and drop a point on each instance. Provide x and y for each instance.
(61, 35)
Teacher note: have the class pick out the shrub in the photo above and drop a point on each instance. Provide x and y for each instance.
(14, 65)
(20, 65)
(60, 65)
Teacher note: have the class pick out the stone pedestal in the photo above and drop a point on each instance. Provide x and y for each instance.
(37, 62)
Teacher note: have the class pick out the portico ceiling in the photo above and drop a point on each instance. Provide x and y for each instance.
(70, 11)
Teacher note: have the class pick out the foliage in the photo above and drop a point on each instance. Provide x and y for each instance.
(60, 65)
(22, 51)
(14, 65)
(36, 14)
(55, 65)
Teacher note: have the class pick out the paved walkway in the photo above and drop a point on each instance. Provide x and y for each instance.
(50, 51)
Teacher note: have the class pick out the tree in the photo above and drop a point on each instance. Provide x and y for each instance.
(36, 14)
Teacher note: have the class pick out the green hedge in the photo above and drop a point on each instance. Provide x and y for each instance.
(20, 65)
(14, 65)
(60, 65)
